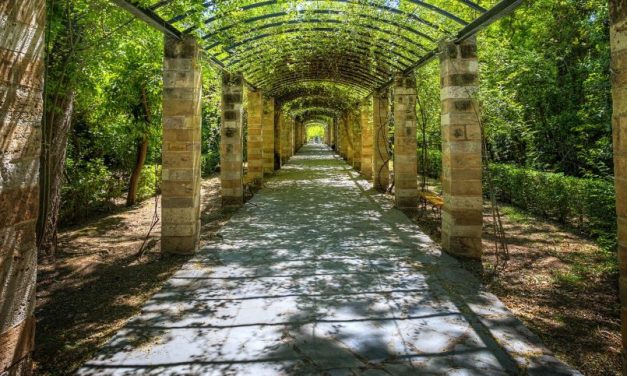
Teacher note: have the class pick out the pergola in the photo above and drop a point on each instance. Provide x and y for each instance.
(347, 64)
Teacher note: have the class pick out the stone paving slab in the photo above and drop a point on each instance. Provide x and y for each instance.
(320, 275)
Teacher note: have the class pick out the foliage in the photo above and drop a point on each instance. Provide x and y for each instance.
(315, 130)
(209, 162)
(433, 165)
(545, 87)
(115, 70)
(93, 187)
(149, 182)
(585, 203)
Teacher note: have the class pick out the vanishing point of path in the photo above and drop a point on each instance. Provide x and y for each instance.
(320, 275)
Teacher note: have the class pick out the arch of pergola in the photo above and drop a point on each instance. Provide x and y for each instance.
(345, 63)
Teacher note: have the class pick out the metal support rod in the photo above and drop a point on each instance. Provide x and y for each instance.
(151, 18)
(494, 14)
(155, 21)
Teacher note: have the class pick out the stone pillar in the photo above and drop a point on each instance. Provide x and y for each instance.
(356, 134)
(339, 133)
(344, 138)
(290, 138)
(348, 145)
(331, 131)
(380, 157)
(284, 139)
(462, 217)
(278, 130)
(618, 43)
(231, 141)
(267, 132)
(350, 137)
(21, 106)
(254, 137)
(366, 139)
(182, 97)
(334, 135)
(405, 154)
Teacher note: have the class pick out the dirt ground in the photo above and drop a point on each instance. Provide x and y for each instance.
(562, 285)
(98, 281)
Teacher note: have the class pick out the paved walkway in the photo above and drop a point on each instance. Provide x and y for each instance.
(319, 275)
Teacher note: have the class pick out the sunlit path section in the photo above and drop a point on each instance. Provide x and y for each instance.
(320, 275)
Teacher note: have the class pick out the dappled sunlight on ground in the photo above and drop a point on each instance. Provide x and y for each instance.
(318, 274)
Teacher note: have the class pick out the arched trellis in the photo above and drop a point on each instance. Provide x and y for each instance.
(384, 37)
(356, 50)
(294, 89)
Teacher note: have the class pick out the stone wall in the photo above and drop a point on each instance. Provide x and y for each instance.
(21, 107)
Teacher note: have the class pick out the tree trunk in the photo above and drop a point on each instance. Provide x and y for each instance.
(55, 131)
(142, 150)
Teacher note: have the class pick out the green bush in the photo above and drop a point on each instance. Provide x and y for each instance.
(149, 182)
(209, 162)
(434, 163)
(90, 187)
(585, 203)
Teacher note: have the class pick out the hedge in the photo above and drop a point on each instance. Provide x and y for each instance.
(585, 203)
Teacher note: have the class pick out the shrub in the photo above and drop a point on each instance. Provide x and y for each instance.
(90, 187)
(585, 203)
(209, 162)
(149, 182)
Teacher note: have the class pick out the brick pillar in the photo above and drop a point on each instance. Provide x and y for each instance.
(267, 125)
(405, 154)
(461, 150)
(618, 43)
(254, 138)
(366, 139)
(182, 94)
(356, 134)
(231, 141)
(21, 106)
(380, 163)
